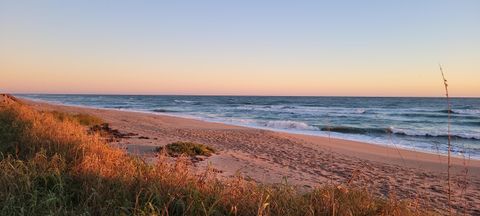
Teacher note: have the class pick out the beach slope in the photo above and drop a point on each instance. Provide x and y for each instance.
(303, 160)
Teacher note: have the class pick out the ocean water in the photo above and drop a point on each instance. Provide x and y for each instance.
(413, 123)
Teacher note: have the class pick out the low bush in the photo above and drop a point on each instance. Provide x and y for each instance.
(186, 148)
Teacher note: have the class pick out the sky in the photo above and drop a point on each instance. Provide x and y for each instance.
(270, 47)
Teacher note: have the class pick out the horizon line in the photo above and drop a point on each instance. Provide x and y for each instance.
(234, 95)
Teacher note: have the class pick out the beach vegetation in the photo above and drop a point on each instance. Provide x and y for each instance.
(187, 148)
(82, 118)
(51, 165)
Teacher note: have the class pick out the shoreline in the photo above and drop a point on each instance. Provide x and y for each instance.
(307, 161)
(292, 132)
(370, 151)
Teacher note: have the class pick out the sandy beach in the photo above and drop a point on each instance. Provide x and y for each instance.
(303, 160)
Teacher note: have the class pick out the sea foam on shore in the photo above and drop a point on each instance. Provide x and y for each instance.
(412, 123)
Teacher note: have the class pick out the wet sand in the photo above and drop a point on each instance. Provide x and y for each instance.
(303, 160)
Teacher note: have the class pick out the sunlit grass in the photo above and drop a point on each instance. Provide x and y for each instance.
(82, 118)
(50, 165)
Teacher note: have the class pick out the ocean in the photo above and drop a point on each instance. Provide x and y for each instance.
(420, 124)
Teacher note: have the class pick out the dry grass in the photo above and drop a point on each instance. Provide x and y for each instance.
(449, 142)
(83, 119)
(52, 166)
(449, 110)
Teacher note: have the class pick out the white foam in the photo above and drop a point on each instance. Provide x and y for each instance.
(289, 125)
(183, 101)
(466, 111)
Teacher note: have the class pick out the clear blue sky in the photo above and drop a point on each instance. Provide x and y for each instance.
(240, 47)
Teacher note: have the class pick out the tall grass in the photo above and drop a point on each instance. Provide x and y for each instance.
(81, 118)
(52, 166)
(449, 110)
(465, 165)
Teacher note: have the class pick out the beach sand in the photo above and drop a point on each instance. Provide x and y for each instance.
(275, 157)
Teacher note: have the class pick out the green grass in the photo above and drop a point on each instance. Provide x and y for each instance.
(50, 165)
(187, 148)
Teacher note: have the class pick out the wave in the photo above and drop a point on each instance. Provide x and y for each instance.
(163, 110)
(303, 110)
(183, 101)
(461, 111)
(448, 111)
(386, 131)
(355, 130)
(418, 115)
(471, 123)
(441, 135)
(280, 124)
(438, 115)
(273, 124)
(454, 136)
(466, 111)
(119, 107)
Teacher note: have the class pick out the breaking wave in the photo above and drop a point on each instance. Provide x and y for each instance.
(357, 130)
(162, 110)
(288, 125)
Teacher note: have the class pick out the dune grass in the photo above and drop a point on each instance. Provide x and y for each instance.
(50, 165)
(81, 118)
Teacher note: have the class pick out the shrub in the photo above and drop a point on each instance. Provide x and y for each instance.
(187, 148)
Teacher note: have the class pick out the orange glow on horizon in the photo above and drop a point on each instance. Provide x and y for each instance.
(66, 75)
